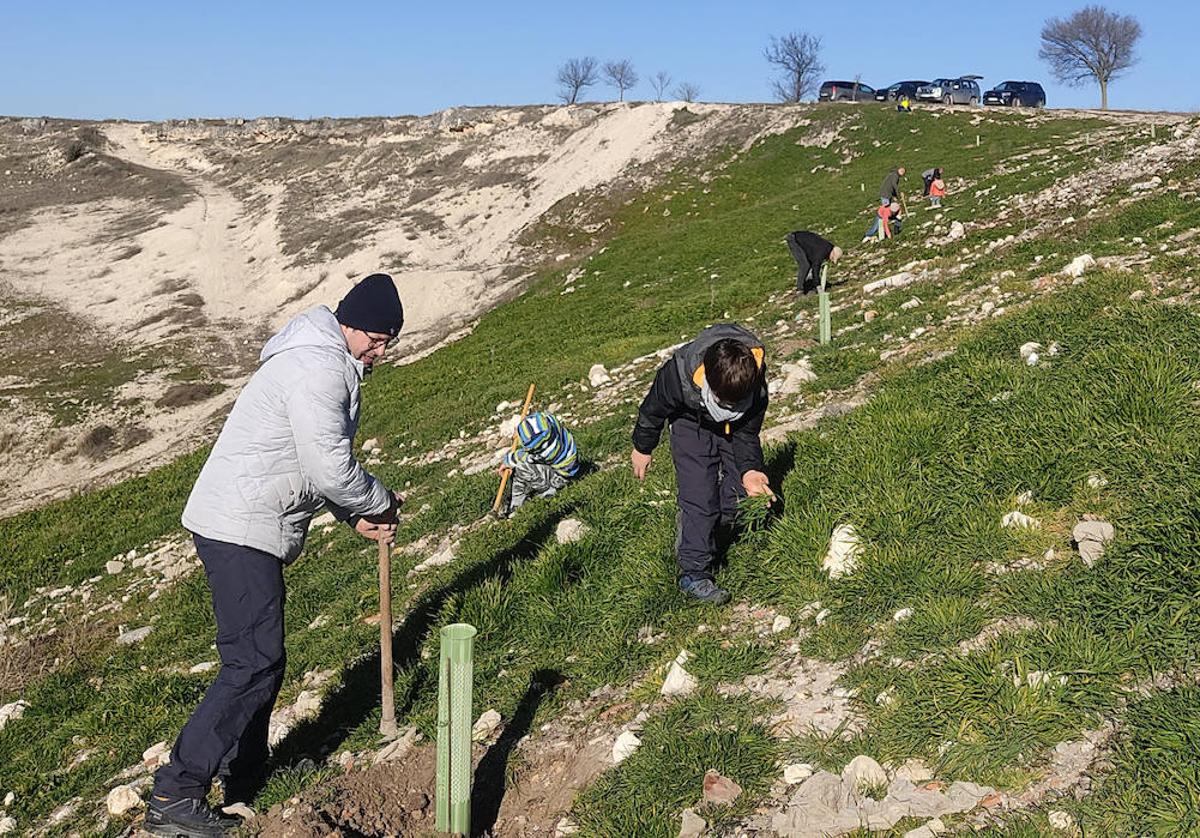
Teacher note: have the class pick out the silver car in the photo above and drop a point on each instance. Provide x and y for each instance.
(963, 90)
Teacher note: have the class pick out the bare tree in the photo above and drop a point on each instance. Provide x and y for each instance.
(1093, 43)
(687, 91)
(660, 81)
(797, 58)
(621, 75)
(574, 77)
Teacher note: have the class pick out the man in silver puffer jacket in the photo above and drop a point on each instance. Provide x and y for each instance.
(284, 452)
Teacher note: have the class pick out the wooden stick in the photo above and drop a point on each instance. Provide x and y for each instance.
(516, 439)
(387, 721)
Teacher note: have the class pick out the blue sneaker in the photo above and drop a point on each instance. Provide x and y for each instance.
(705, 590)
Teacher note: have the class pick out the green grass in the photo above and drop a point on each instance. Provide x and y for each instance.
(924, 471)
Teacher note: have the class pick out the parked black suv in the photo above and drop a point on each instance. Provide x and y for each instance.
(898, 90)
(845, 91)
(1016, 94)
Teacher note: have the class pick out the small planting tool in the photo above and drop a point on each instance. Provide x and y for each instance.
(387, 720)
(515, 440)
(823, 306)
(455, 675)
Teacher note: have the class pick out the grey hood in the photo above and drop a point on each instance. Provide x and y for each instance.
(690, 358)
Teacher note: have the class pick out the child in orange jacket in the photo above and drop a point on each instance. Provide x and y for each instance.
(886, 222)
(937, 191)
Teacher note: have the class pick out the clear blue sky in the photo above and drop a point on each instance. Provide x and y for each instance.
(180, 58)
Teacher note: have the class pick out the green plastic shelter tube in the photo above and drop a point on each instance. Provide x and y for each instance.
(455, 674)
(823, 306)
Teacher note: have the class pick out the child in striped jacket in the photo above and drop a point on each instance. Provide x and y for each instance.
(544, 460)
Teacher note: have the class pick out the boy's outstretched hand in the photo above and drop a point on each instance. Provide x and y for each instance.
(641, 462)
(757, 483)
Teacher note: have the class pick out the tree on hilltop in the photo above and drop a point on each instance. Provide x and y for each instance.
(575, 76)
(660, 81)
(687, 92)
(1093, 43)
(797, 58)
(621, 75)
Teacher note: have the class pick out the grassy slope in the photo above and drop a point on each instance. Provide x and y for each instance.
(928, 499)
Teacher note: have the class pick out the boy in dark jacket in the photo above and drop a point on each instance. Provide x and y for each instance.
(713, 392)
(810, 252)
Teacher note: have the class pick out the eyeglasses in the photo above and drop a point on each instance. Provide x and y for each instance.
(379, 342)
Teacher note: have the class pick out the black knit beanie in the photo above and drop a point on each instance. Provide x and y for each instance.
(373, 305)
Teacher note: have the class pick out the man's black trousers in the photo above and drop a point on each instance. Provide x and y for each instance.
(804, 267)
(709, 487)
(227, 732)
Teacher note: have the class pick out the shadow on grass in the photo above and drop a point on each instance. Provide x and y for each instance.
(344, 709)
(489, 786)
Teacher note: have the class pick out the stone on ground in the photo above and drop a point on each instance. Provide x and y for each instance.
(113, 567)
(240, 810)
(1079, 265)
(692, 825)
(862, 772)
(625, 746)
(134, 636)
(598, 376)
(570, 530)
(781, 624)
(485, 726)
(915, 771)
(842, 556)
(720, 790)
(121, 799)
(1061, 820)
(156, 755)
(930, 829)
(1092, 537)
(679, 681)
(797, 772)
(1018, 519)
(12, 711)
(393, 751)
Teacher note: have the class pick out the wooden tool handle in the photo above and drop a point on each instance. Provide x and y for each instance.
(515, 440)
(387, 720)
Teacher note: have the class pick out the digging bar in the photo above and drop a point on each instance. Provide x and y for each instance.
(387, 720)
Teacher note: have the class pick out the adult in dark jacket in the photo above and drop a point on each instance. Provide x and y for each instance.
(284, 452)
(713, 393)
(889, 190)
(810, 252)
(928, 177)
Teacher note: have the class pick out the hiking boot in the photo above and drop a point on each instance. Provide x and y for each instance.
(705, 590)
(186, 817)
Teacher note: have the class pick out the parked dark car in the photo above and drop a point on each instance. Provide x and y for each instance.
(898, 90)
(963, 90)
(845, 91)
(1016, 94)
